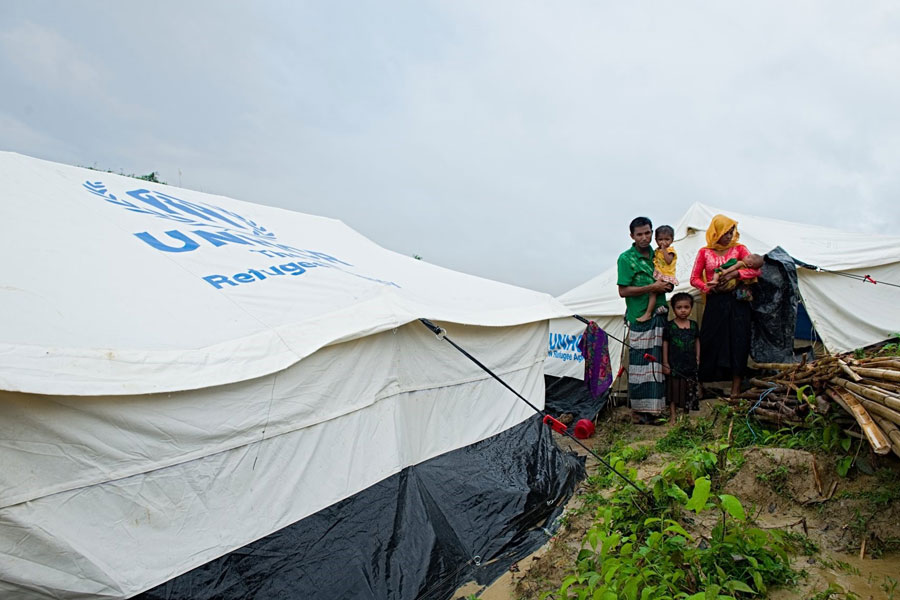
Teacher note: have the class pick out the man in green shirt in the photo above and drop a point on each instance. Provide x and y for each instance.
(646, 382)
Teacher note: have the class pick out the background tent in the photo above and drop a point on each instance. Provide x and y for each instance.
(203, 397)
(846, 314)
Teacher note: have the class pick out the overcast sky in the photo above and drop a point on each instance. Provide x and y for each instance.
(512, 140)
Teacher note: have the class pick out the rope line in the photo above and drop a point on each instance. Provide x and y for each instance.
(861, 278)
(762, 397)
(441, 334)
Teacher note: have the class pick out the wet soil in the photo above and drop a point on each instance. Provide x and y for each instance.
(856, 536)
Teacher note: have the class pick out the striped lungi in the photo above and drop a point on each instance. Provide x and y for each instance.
(646, 382)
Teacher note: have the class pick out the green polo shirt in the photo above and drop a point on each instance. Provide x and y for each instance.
(635, 269)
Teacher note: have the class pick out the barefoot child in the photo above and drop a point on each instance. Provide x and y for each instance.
(681, 354)
(663, 266)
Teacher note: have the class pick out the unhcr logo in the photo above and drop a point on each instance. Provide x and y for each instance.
(204, 224)
(564, 346)
(176, 209)
(220, 226)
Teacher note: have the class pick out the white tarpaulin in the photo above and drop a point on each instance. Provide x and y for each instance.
(113, 285)
(847, 314)
(184, 374)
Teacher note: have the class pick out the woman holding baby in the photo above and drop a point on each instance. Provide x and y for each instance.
(724, 271)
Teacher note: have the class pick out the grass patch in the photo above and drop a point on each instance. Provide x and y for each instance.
(685, 435)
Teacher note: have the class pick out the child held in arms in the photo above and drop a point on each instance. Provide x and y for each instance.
(741, 289)
(664, 259)
(680, 356)
(751, 261)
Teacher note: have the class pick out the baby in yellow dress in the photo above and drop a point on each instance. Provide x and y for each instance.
(664, 259)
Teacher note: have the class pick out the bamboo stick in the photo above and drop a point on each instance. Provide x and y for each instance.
(874, 435)
(775, 417)
(894, 388)
(883, 362)
(850, 373)
(762, 383)
(878, 409)
(891, 430)
(775, 366)
(869, 392)
(886, 374)
(837, 398)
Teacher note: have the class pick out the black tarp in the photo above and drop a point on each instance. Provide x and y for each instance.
(774, 309)
(462, 516)
(570, 395)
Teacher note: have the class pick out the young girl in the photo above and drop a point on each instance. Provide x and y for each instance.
(681, 354)
(663, 266)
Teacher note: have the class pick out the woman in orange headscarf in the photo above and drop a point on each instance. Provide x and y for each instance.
(725, 330)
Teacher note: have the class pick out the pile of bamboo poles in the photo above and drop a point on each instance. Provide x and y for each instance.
(868, 389)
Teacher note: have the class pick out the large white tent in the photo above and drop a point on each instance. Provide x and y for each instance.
(846, 313)
(184, 374)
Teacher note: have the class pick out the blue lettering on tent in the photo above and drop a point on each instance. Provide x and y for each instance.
(564, 341)
(221, 227)
(187, 244)
(220, 238)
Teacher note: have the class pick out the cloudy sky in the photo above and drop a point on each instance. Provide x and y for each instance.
(512, 140)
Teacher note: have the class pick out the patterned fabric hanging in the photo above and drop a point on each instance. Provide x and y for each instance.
(594, 346)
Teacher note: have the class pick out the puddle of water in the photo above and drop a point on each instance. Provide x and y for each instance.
(505, 587)
(868, 578)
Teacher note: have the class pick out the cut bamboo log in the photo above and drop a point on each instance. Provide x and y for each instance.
(869, 392)
(879, 409)
(894, 388)
(762, 383)
(775, 366)
(885, 362)
(886, 374)
(874, 435)
(772, 416)
(891, 430)
(837, 398)
(850, 373)
(878, 359)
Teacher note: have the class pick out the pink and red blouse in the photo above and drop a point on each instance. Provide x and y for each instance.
(708, 261)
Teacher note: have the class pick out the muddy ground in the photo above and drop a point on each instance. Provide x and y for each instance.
(854, 534)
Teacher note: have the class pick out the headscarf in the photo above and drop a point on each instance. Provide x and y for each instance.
(718, 227)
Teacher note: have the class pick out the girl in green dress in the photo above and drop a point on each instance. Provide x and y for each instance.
(681, 354)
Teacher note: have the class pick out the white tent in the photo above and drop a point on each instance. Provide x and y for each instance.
(184, 373)
(847, 314)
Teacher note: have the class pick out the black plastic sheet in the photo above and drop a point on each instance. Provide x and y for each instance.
(570, 395)
(774, 309)
(466, 515)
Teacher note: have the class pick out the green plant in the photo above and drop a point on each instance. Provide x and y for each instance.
(630, 555)
(152, 177)
(834, 592)
(892, 348)
(889, 585)
(801, 543)
(619, 455)
(686, 434)
(819, 434)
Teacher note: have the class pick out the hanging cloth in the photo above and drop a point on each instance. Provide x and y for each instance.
(594, 346)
